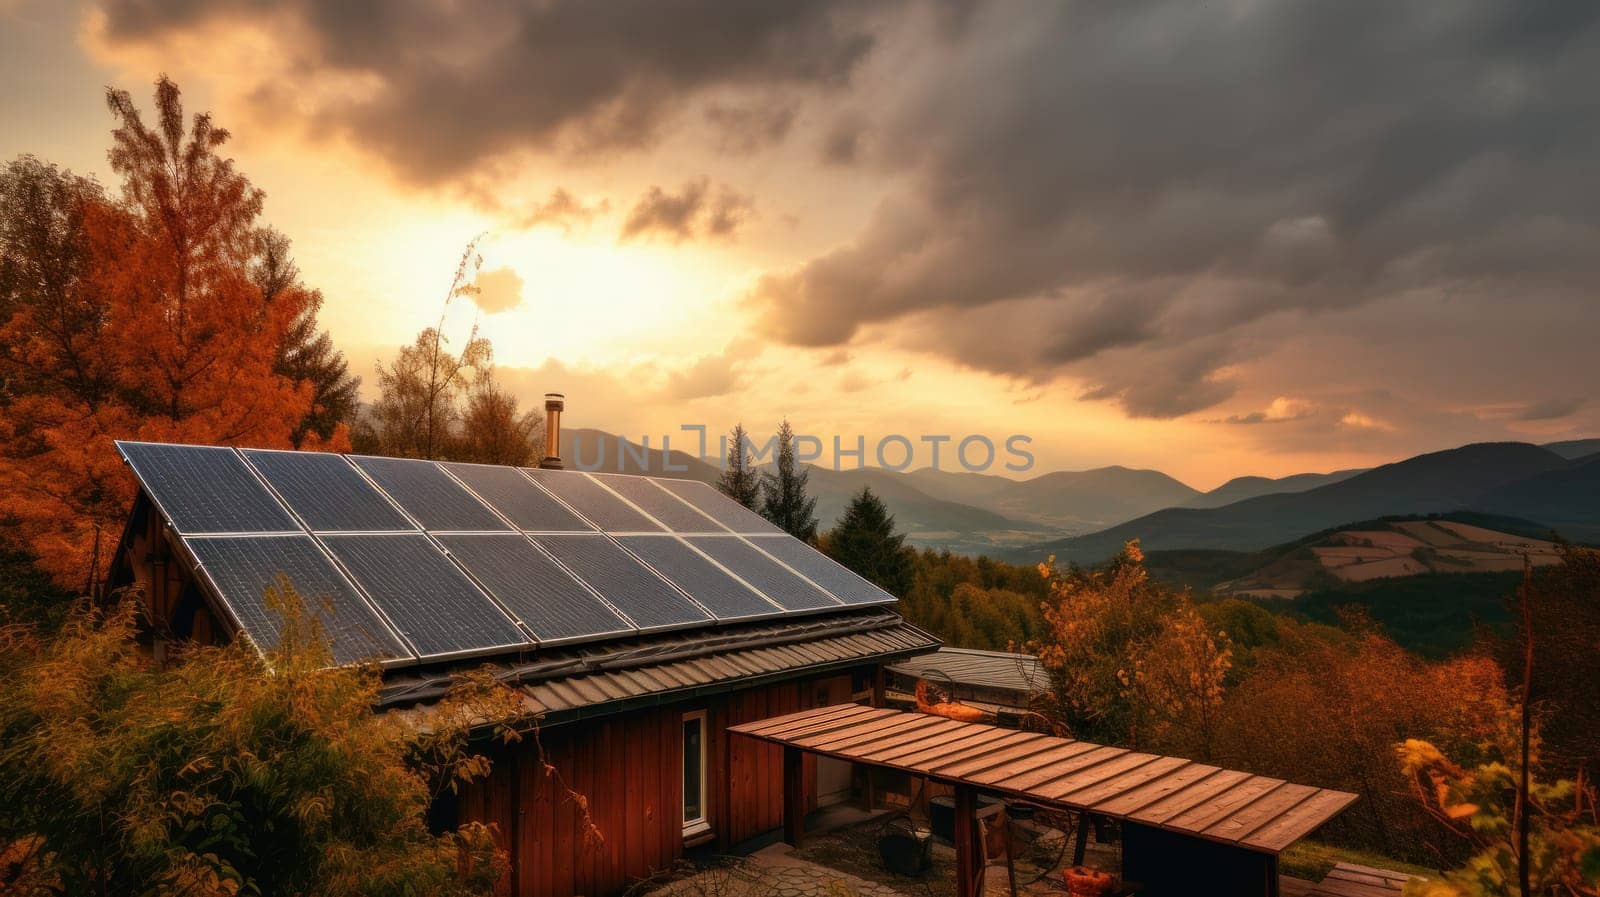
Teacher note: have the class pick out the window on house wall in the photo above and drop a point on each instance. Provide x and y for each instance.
(694, 774)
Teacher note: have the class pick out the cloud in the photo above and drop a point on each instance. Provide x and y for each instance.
(1155, 183)
(1360, 421)
(708, 376)
(1551, 409)
(562, 210)
(497, 290)
(695, 210)
(751, 127)
(435, 89)
(1281, 410)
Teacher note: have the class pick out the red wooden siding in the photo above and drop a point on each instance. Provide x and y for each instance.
(627, 765)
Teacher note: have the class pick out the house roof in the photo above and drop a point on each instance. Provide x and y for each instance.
(1195, 799)
(426, 564)
(594, 679)
(1020, 673)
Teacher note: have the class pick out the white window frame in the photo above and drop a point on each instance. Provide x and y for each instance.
(700, 825)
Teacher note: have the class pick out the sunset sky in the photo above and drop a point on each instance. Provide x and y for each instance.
(1210, 238)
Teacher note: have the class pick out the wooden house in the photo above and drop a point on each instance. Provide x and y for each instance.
(640, 617)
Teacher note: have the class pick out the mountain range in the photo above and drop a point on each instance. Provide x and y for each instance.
(1509, 478)
(1085, 516)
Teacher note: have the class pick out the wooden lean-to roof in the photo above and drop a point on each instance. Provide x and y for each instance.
(1235, 808)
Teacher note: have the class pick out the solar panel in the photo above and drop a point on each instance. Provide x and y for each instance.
(675, 515)
(327, 493)
(843, 582)
(206, 489)
(524, 504)
(719, 507)
(428, 598)
(692, 572)
(546, 598)
(428, 494)
(594, 501)
(243, 569)
(779, 583)
(646, 598)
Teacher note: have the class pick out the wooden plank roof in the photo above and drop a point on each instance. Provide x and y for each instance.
(1237, 808)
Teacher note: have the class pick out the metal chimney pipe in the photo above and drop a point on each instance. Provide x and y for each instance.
(554, 402)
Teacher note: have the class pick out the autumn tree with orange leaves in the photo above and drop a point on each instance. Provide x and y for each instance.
(140, 317)
(1130, 661)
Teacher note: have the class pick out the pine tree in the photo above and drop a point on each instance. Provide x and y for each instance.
(865, 541)
(740, 480)
(307, 356)
(783, 490)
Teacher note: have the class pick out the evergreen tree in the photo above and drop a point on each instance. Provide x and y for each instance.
(307, 355)
(740, 480)
(865, 541)
(784, 500)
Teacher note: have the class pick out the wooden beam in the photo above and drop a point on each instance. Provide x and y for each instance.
(794, 795)
(879, 686)
(969, 863)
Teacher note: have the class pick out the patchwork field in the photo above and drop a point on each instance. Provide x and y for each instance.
(1384, 550)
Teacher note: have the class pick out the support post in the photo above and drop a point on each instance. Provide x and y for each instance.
(794, 795)
(969, 864)
(1081, 839)
(878, 700)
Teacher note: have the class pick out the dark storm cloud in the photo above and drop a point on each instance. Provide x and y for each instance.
(461, 84)
(1136, 196)
(695, 210)
(1223, 162)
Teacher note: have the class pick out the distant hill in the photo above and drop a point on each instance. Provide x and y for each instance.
(1573, 449)
(1241, 488)
(1479, 476)
(1391, 548)
(600, 451)
(1565, 499)
(1071, 501)
(926, 520)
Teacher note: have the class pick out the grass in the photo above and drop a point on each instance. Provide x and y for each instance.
(1312, 861)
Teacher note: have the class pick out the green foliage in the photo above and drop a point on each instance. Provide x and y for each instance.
(865, 541)
(307, 355)
(1563, 605)
(213, 776)
(740, 480)
(974, 602)
(1481, 804)
(1434, 615)
(28, 595)
(1250, 628)
(783, 491)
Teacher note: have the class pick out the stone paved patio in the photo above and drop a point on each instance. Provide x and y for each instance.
(844, 863)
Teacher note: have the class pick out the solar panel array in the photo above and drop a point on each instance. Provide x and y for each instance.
(407, 561)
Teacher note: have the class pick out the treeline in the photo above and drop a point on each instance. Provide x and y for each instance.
(1337, 704)
(165, 310)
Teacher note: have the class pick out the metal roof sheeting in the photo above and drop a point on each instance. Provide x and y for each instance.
(616, 676)
(1022, 673)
